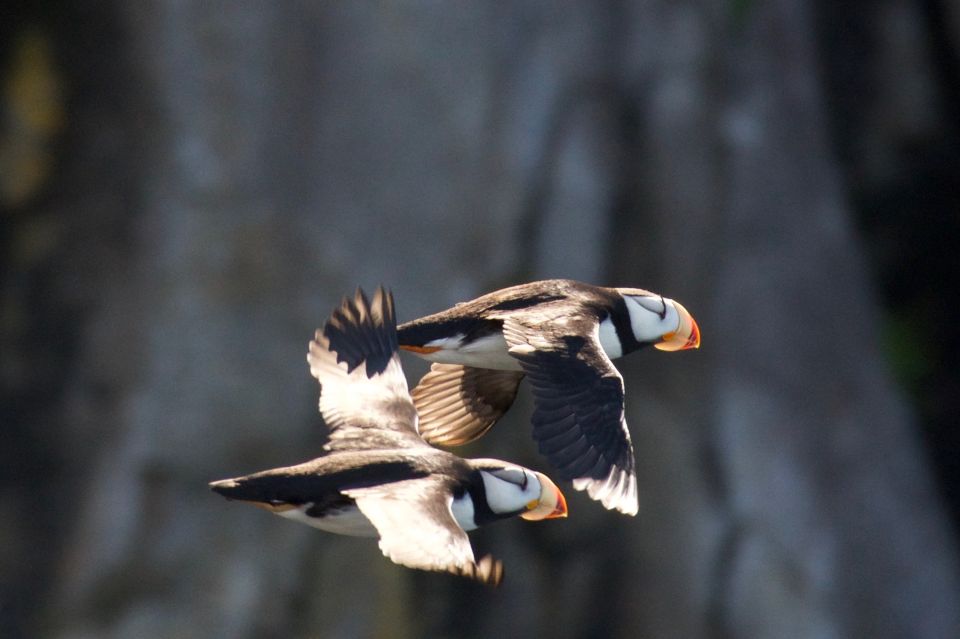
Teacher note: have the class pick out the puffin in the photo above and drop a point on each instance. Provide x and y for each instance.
(562, 335)
(376, 476)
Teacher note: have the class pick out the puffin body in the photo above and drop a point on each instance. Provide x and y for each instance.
(562, 335)
(377, 476)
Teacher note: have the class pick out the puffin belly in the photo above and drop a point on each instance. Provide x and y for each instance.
(346, 520)
(489, 351)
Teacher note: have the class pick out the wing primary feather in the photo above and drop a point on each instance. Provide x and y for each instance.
(363, 396)
(578, 407)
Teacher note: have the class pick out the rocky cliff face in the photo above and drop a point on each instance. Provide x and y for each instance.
(229, 173)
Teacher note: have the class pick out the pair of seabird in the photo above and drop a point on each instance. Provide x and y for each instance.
(378, 476)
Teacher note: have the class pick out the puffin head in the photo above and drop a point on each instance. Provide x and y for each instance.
(512, 490)
(660, 321)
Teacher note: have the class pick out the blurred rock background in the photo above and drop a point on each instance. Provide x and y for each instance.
(187, 188)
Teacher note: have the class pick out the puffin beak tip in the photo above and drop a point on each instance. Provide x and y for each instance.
(687, 335)
(551, 505)
(561, 510)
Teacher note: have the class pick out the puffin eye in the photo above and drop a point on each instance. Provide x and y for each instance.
(652, 304)
(512, 475)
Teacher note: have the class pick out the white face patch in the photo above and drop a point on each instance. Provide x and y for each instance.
(645, 317)
(506, 496)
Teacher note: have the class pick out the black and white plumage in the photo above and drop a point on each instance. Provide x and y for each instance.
(377, 476)
(562, 335)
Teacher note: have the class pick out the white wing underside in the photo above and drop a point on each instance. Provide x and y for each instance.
(417, 529)
(353, 404)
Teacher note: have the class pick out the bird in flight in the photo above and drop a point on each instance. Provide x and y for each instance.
(562, 335)
(377, 477)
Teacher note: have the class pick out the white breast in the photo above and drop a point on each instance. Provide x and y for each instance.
(343, 521)
(462, 509)
(486, 352)
(608, 339)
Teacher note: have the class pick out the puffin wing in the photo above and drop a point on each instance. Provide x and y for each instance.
(457, 404)
(578, 418)
(363, 398)
(417, 528)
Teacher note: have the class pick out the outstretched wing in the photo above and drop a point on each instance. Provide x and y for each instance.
(417, 528)
(457, 404)
(578, 417)
(363, 397)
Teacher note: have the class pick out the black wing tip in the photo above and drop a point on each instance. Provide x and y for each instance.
(578, 459)
(361, 330)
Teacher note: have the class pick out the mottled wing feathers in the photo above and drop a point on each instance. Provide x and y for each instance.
(578, 418)
(364, 407)
(417, 528)
(457, 404)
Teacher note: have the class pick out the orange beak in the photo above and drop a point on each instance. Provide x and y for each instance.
(560, 508)
(551, 505)
(685, 337)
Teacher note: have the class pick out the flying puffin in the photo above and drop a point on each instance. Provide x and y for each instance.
(377, 477)
(562, 335)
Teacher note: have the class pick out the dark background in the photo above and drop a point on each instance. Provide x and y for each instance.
(187, 188)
